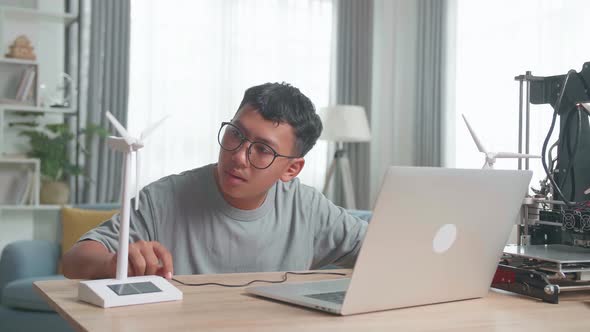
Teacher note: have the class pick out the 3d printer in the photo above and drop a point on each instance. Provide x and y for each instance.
(553, 251)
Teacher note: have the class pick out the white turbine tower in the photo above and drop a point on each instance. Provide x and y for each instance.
(491, 156)
(127, 290)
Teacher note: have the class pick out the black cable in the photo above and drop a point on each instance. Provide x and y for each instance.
(253, 281)
(584, 84)
(551, 159)
(573, 188)
(572, 150)
(546, 141)
(564, 143)
(573, 156)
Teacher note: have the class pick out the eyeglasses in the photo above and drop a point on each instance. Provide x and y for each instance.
(260, 155)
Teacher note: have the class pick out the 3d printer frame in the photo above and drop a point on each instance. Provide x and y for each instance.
(556, 223)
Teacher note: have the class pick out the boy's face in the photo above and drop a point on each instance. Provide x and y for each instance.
(244, 186)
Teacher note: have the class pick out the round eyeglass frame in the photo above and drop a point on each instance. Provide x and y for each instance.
(248, 151)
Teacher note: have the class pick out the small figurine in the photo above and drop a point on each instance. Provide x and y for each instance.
(21, 49)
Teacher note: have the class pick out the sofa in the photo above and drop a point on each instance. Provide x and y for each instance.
(27, 261)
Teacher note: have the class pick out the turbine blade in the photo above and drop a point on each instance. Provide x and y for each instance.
(515, 155)
(137, 172)
(480, 146)
(122, 131)
(148, 131)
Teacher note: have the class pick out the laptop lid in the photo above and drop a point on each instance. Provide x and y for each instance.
(436, 235)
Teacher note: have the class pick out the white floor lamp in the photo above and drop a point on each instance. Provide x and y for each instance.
(344, 124)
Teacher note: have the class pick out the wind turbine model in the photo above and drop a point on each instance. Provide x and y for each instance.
(127, 290)
(491, 156)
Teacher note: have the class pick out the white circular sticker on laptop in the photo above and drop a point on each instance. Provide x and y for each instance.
(444, 238)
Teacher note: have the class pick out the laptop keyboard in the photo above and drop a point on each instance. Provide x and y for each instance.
(334, 297)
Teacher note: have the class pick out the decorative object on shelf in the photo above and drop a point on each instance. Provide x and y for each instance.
(54, 192)
(49, 144)
(63, 94)
(21, 48)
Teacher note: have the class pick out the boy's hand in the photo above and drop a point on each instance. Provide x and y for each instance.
(147, 258)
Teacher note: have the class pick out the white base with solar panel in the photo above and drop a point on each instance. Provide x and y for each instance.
(108, 293)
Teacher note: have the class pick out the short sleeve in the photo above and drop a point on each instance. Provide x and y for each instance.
(338, 234)
(141, 225)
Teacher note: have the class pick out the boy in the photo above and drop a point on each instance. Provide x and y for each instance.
(246, 213)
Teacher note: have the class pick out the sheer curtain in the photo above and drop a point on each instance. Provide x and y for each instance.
(496, 41)
(354, 46)
(407, 85)
(194, 59)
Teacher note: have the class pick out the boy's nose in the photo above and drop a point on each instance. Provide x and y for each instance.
(240, 156)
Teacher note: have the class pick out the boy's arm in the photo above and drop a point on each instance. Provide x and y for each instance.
(338, 234)
(94, 256)
(89, 260)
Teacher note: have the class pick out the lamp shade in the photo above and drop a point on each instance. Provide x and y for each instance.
(345, 123)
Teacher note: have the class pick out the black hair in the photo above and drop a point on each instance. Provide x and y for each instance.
(283, 103)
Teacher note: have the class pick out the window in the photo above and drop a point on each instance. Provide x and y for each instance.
(496, 41)
(194, 59)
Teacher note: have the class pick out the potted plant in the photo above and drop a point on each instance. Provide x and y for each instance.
(49, 144)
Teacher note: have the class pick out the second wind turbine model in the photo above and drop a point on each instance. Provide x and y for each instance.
(491, 156)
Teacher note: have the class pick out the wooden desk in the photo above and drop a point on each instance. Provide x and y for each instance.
(210, 308)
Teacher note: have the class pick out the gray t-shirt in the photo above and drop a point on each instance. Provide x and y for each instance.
(296, 228)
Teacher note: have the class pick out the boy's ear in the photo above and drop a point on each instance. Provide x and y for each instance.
(295, 166)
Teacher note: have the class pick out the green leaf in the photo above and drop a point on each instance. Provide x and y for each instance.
(50, 143)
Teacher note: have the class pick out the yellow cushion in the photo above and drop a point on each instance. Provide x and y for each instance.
(76, 222)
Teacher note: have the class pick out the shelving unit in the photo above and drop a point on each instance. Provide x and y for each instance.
(44, 207)
(44, 23)
(18, 61)
(37, 109)
(35, 14)
(7, 109)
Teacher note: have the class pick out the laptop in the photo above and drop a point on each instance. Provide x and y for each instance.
(436, 235)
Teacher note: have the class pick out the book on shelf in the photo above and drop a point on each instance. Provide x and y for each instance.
(26, 196)
(17, 185)
(25, 87)
(22, 83)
